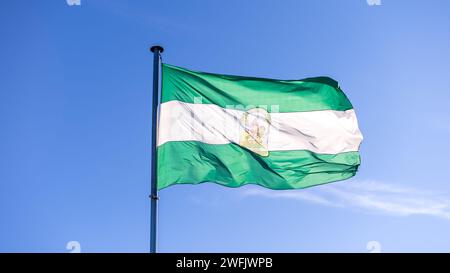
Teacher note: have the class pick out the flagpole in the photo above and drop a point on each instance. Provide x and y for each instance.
(154, 190)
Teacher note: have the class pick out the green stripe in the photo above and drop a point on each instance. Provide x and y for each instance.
(310, 94)
(191, 162)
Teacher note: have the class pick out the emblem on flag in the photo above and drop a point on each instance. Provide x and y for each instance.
(255, 125)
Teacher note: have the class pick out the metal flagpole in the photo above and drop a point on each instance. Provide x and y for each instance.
(155, 102)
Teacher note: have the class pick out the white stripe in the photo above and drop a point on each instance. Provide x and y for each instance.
(326, 132)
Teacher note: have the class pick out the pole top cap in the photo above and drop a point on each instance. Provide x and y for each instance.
(158, 48)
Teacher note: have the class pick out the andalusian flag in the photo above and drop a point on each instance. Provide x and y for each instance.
(233, 130)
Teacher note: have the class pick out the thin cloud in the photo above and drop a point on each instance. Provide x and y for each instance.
(368, 196)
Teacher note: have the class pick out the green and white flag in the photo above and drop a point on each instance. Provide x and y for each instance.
(233, 130)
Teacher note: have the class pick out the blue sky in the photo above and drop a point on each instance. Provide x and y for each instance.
(75, 96)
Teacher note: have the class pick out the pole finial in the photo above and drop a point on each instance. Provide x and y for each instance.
(158, 48)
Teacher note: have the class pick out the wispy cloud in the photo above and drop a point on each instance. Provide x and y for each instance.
(367, 195)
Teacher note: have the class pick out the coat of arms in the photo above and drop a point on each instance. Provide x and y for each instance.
(255, 124)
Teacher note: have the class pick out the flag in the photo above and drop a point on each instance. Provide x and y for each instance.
(234, 130)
